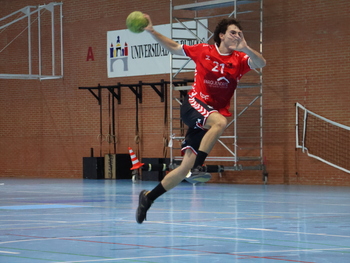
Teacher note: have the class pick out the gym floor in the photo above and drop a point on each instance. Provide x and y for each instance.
(82, 220)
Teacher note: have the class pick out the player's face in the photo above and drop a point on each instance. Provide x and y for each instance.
(232, 36)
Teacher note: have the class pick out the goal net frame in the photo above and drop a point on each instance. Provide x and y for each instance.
(303, 141)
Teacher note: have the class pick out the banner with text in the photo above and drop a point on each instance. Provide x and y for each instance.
(130, 54)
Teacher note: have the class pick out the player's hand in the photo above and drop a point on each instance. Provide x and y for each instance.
(149, 27)
(239, 44)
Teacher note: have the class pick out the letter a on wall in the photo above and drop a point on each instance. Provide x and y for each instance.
(90, 55)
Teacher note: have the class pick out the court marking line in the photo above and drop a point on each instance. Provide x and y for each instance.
(191, 255)
(177, 236)
(133, 258)
(31, 221)
(41, 206)
(281, 202)
(9, 252)
(248, 213)
(265, 201)
(294, 250)
(253, 229)
(209, 226)
(159, 210)
(170, 248)
(119, 236)
(15, 226)
(54, 252)
(297, 232)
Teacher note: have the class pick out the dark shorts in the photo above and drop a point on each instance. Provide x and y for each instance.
(194, 114)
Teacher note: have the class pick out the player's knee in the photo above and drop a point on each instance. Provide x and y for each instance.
(217, 120)
(221, 122)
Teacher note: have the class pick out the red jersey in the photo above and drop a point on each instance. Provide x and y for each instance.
(216, 75)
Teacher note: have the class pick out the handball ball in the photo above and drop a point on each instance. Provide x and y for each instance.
(136, 22)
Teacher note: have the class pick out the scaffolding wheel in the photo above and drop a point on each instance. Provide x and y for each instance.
(264, 177)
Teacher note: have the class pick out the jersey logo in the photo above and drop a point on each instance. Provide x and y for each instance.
(199, 124)
(223, 78)
(205, 97)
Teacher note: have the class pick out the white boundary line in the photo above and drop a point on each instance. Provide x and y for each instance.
(190, 255)
(133, 258)
(8, 252)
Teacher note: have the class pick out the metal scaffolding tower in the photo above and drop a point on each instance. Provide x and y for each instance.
(44, 54)
(241, 145)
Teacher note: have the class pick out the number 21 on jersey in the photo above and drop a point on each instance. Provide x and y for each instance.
(218, 67)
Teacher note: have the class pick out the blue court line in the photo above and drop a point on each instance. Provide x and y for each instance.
(48, 206)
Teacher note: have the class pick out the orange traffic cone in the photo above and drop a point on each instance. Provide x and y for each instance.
(135, 162)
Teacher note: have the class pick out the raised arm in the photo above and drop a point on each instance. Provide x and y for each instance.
(166, 42)
(256, 59)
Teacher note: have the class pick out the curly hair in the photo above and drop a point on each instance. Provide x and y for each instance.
(222, 27)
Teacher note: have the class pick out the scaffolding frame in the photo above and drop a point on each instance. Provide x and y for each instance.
(28, 12)
(255, 90)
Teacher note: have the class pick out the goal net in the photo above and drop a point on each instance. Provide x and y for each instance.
(323, 139)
